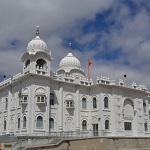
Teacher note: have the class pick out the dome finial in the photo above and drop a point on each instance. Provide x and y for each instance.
(37, 31)
(69, 47)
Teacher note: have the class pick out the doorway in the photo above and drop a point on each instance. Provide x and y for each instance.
(95, 129)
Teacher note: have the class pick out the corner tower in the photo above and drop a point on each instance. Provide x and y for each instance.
(37, 59)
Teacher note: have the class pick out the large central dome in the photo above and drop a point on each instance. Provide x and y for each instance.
(70, 66)
(70, 61)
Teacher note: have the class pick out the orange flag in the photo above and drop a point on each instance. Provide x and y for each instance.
(89, 63)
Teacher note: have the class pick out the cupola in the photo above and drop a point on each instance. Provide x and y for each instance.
(70, 65)
(69, 61)
(37, 44)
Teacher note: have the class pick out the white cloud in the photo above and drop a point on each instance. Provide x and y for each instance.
(130, 33)
(57, 19)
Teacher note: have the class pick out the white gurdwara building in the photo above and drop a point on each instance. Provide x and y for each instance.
(38, 101)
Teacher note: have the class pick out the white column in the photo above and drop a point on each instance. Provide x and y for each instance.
(48, 68)
(47, 115)
(60, 107)
(135, 119)
(77, 108)
(2, 116)
(32, 66)
(30, 114)
(8, 111)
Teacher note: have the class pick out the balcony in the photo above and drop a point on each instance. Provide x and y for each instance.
(24, 100)
(40, 100)
(41, 70)
(69, 104)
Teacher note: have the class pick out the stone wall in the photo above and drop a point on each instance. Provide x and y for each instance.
(62, 146)
(98, 144)
(127, 143)
(8, 139)
(89, 144)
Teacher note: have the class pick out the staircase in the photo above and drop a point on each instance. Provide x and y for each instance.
(22, 145)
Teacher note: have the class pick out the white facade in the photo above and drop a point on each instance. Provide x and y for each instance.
(37, 101)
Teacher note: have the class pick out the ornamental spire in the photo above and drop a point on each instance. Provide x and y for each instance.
(70, 47)
(37, 31)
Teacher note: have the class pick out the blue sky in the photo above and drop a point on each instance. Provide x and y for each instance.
(113, 34)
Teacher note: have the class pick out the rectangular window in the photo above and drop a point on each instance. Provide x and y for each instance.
(83, 103)
(145, 127)
(6, 103)
(106, 102)
(127, 125)
(24, 122)
(18, 123)
(4, 124)
(51, 123)
(94, 103)
(52, 99)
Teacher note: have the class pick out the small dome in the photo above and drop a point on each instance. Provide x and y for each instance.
(37, 44)
(69, 61)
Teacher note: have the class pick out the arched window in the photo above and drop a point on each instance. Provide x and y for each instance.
(39, 122)
(42, 99)
(6, 103)
(24, 122)
(40, 96)
(4, 124)
(25, 99)
(12, 123)
(106, 124)
(84, 125)
(51, 123)
(38, 99)
(69, 101)
(27, 63)
(105, 102)
(83, 103)
(128, 108)
(51, 99)
(40, 63)
(145, 127)
(18, 123)
(94, 102)
(144, 107)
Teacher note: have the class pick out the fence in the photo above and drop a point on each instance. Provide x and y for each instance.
(40, 139)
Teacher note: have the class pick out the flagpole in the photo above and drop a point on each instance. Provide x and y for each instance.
(88, 72)
(89, 63)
